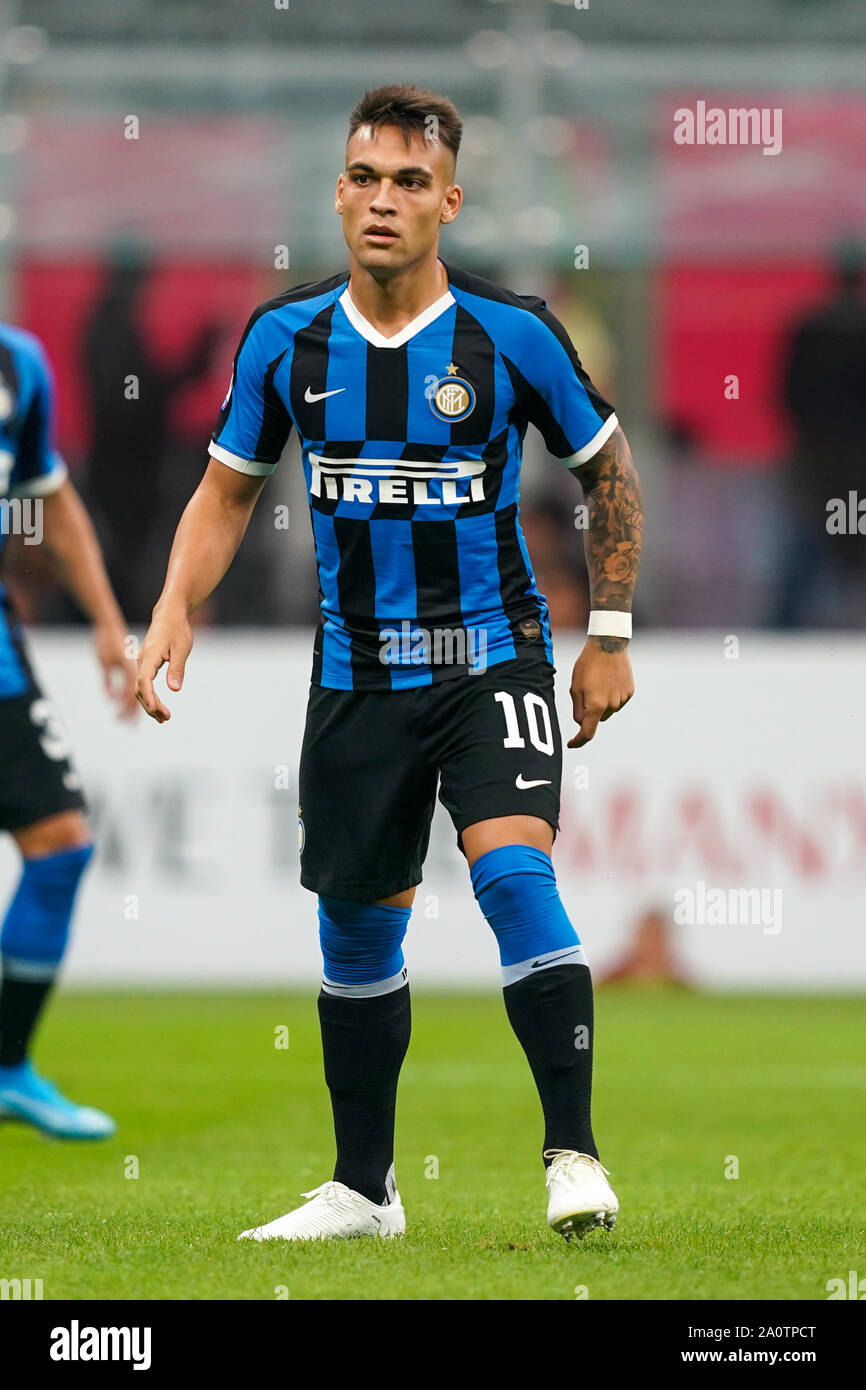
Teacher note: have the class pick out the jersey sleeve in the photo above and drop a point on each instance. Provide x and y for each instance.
(559, 398)
(253, 424)
(38, 469)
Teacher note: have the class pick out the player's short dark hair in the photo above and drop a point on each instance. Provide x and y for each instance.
(412, 109)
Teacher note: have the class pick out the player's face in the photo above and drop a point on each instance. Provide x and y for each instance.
(394, 197)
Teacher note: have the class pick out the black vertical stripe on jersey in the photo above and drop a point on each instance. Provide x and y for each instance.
(319, 639)
(495, 456)
(341, 449)
(460, 279)
(404, 511)
(226, 410)
(356, 588)
(437, 581)
(474, 356)
(602, 407)
(535, 408)
(292, 296)
(9, 369)
(318, 644)
(32, 431)
(276, 421)
(310, 370)
(387, 392)
(514, 577)
(9, 616)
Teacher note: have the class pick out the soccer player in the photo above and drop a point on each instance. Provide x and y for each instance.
(41, 802)
(411, 384)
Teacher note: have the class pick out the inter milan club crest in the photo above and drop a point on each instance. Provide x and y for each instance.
(452, 398)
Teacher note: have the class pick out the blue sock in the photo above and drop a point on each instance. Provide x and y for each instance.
(33, 940)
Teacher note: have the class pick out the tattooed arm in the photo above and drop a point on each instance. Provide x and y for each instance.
(602, 681)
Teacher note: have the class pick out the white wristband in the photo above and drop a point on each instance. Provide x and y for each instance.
(603, 623)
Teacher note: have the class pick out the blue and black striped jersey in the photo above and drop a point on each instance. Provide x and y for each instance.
(30, 467)
(411, 449)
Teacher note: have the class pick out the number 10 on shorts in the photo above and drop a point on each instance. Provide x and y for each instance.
(537, 721)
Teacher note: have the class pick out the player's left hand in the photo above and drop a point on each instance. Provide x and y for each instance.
(602, 682)
(118, 667)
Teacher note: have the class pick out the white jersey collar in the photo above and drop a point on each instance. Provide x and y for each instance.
(366, 330)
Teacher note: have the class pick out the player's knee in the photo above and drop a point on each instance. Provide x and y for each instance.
(53, 835)
(36, 927)
(362, 946)
(515, 886)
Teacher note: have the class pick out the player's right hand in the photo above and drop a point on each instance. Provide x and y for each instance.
(168, 640)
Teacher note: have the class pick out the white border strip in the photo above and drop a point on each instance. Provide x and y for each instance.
(370, 991)
(600, 437)
(564, 955)
(358, 322)
(32, 970)
(241, 465)
(44, 485)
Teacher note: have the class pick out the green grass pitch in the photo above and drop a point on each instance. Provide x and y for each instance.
(226, 1129)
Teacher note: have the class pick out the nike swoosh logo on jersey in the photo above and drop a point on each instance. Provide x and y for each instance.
(312, 396)
(524, 786)
(537, 963)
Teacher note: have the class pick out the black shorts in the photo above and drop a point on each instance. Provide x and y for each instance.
(371, 763)
(37, 778)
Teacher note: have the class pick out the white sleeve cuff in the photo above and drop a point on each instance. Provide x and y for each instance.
(241, 465)
(600, 437)
(45, 484)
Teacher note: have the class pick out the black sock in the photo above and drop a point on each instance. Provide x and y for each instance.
(551, 1014)
(364, 1042)
(21, 1004)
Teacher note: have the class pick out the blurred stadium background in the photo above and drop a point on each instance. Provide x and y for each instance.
(166, 166)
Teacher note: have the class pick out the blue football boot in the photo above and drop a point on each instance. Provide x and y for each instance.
(25, 1095)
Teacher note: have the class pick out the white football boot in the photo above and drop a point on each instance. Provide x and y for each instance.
(580, 1195)
(335, 1212)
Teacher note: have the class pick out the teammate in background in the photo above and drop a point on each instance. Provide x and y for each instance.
(411, 384)
(41, 804)
(138, 430)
